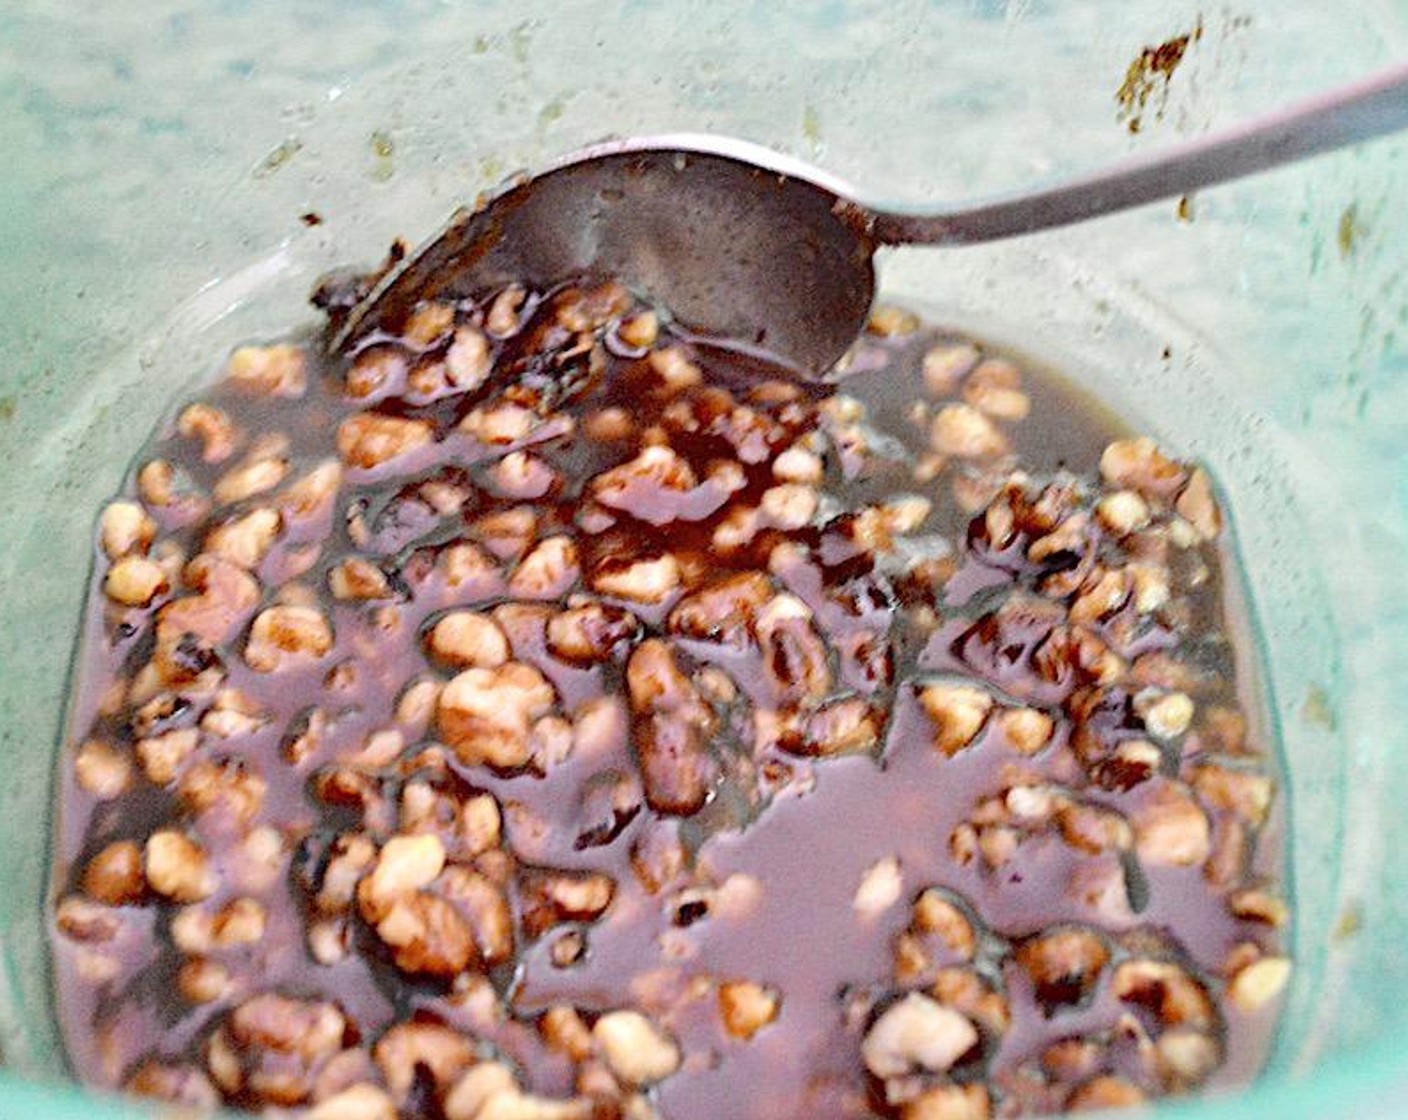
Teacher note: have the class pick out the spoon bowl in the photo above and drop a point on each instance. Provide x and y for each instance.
(734, 239)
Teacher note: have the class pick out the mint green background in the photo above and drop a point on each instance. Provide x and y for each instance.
(155, 157)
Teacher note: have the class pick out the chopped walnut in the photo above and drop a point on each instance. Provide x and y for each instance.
(114, 875)
(201, 980)
(917, 1034)
(272, 1045)
(82, 919)
(467, 639)
(880, 888)
(245, 540)
(126, 528)
(156, 483)
(994, 388)
(1257, 905)
(638, 1052)
(723, 611)
(675, 371)
(362, 1101)
(1167, 991)
(1170, 827)
(501, 426)
(565, 1030)
(1137, 464)
(1244, 793)
(1122, 512)
(469, 568)
(555, 897)
(609, 425)
(232, 714)
(945, 366)
(1197, 504)
(1064, 965)
(370, 439)
(134, 581)
(485, 715)
(428, 323)
(357, 578)
(747, 1007)
(1165, 716)
(350, 858)
(479, 1087)
(176, 1083)
(502, 317)
(1090, 828)
(963, 990)
(798, 465)
(936, 915)
(905, 514)
(241, 922)
(961, 431)
(1259, 983)
(839, 727)
(599, 727)
(177, 867)
(407, 1049)
(789, 505)
(794, 656)
(467, 361)
(548, 571)
(269, 371)
(737, 528)
(523, 476)
(890, 321)
(948, 1102)
(101, 770)
(405, 864)
(283, 636)
(313, 493)
(1103, 593)
(591, 633)
(640, 329)
(373, 371)
(1028, 730)
(258, 476)
(426, 934)
(212, 427)
(1107, 1091)
(958, 712)
(642, 581)
(658, 857)
(673, 726)
(636, 484)
(229, 788)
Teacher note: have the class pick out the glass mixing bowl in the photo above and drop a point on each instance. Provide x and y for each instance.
(238, 151)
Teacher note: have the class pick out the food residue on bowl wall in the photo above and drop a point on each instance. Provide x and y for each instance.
(1146, 81)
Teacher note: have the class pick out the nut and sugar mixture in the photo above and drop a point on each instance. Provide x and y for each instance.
(535, 717)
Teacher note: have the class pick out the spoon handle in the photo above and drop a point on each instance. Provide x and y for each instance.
(1347, 115)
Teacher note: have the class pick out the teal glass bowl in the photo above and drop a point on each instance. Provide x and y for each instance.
(237, 151)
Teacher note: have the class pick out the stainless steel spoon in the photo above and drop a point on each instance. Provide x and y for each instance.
(753, 249)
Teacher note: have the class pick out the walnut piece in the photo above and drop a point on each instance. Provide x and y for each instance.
(917, 1034)
(747, 1007)
(638, 1051)
(485, 715)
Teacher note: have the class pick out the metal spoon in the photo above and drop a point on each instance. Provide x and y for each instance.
(756, 250)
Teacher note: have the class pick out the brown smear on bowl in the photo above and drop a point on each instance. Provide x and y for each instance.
(1146, 81)
(534, 716)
